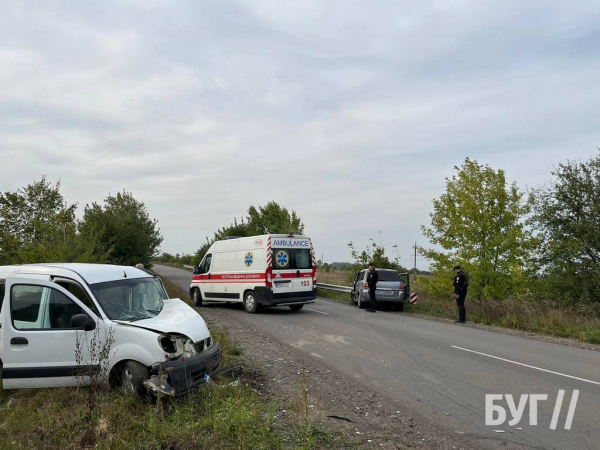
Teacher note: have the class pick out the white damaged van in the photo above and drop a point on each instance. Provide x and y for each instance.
(267, 270)
(161, 345)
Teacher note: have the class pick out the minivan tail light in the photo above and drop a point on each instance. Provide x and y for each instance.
(365, 285)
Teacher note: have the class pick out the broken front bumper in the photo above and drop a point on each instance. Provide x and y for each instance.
(180, 376)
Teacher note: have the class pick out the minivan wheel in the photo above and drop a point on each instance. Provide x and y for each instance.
(250, 302)
(296, 307)
(197, 297)
(132, 377)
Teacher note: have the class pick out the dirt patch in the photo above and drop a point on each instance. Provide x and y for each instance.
(334, 403)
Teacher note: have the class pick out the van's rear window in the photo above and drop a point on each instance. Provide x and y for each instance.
(291, 259)
(388, 275)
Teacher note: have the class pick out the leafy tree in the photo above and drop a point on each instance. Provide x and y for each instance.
(376, 254)
(235, 229)
(37, 225)
(480, 223)
(271, 218)
(568, 217)
(123, 229)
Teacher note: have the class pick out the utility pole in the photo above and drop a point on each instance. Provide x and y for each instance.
(380, 240)
(415, 257)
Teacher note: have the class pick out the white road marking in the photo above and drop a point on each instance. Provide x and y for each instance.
(316, 311)
(527, 365)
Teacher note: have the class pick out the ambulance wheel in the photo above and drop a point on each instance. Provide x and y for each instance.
(250, 302)
(296, 307)
(197, 297)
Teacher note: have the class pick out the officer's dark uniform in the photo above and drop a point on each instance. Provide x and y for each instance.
(372, 279)
(461, 284)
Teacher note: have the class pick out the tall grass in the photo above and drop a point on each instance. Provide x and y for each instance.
(541, 317)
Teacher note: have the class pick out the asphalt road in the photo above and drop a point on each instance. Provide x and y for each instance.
(443, 371)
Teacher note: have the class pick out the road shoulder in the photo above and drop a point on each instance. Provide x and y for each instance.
(362, 416)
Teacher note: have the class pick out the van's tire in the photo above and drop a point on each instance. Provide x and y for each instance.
(296, 307)
(132, 375)
(196, 297)
(250, 302)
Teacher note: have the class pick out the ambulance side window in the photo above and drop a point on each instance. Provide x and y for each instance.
(206, 266)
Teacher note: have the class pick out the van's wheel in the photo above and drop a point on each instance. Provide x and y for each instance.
(197, 297)
(250, 302)
(359, 302)
(132, 376)
(296, 307)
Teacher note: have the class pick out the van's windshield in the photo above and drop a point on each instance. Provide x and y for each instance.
(130, 299)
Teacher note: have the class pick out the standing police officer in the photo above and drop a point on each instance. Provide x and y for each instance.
(372, 279)
(461, 284)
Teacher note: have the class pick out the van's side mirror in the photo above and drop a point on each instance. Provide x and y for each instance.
(83, 322)
(196, 270)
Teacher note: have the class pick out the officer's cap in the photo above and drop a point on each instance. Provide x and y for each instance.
(457, 268)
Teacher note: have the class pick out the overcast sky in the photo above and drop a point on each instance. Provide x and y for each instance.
(349, 112)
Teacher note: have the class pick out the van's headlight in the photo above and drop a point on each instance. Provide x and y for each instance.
(176, 345)
(168, 343)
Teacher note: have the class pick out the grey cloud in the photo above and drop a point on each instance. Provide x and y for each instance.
(351, 113)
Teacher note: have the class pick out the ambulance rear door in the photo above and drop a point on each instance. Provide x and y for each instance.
(292, 266)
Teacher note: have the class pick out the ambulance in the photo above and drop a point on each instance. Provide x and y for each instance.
(258, 271)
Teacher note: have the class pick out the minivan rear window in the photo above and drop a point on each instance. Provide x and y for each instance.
(388, 275)
(291, 259)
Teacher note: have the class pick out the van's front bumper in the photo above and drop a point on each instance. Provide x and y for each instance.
(266, 297)
(180, 376)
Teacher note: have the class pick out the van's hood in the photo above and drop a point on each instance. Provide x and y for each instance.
(175, 317)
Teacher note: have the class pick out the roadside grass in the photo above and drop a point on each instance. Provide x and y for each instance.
(340, 297)
(219, 415)
(535, 317)
(522, 314)
(337, 277)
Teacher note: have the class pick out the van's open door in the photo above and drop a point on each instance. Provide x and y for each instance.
(405, 279)
(40, 322)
